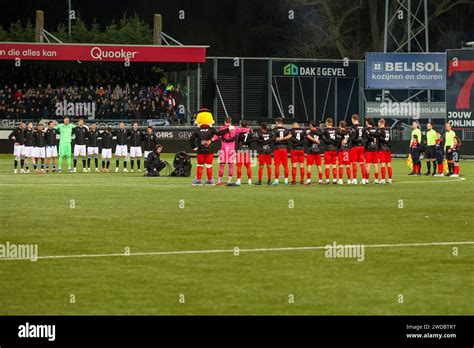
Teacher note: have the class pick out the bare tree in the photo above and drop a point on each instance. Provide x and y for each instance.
(350, 27)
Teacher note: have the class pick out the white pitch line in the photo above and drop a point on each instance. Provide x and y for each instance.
(133, 185)
(222, 251)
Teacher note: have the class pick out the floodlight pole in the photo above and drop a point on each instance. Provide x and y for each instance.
(69, 18)
(39, 26)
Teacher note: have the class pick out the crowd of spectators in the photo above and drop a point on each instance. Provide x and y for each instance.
(33, 92)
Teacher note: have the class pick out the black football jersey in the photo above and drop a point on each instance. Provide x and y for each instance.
(372, 136)
(81, 135)
(298, 138)
(384, 139)
(358, 137)
(344, 136)
(314, 148)
(201, 137)
(281, 132)
(330, 139)
(265, 140)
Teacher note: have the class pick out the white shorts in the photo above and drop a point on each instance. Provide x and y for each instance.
(146, 154)
(92, 151)
(51, 151)
(106, 153)
(29, 151)
(79, 150)
(40, 152)
(121, 150)
(135, 151)
(18, 150)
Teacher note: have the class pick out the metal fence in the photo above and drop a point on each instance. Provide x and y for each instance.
(256, 89)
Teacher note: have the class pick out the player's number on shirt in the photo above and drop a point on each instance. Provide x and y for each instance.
(332, 136)
(387, 136)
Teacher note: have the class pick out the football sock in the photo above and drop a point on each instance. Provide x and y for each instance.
(249, 171)
(293, 173)
(138, 164)
(348, 171)
(221, 170)
(363, 170)
(199, 172)
(269, 172)
(334, 173)
(341, 172)
(456, 170)
(75, 162)
(354, 170)
(428, 166)
(286, 170)
(260, 173)
(277, 172)
(22, 163)
(326, 172)
(96, 160)
(132, 164)
(83, 163)
(117, 163)
(239, 170)
(382, 170)
(389, 169)
(209, 173)
(88, 162)
(124, 164)
(15, 164)
(103, 164)
(440, 168)
(231, 169)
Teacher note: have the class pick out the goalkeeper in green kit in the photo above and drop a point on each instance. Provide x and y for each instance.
(65, 132)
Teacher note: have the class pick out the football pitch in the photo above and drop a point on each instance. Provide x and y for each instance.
(123, 244)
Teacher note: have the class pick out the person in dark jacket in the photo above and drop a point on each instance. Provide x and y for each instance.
(153, 162)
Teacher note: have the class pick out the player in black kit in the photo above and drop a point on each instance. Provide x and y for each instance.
(264, 139)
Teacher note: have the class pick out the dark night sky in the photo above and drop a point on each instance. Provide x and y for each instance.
(230, 27)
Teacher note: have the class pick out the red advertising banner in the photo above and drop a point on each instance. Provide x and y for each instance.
(460, 88)
(110, 53)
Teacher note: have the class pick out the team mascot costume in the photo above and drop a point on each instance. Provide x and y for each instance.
(202, 143)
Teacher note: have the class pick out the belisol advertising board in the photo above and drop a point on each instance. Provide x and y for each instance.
(459, 88)
(110, 53)
(405, 71)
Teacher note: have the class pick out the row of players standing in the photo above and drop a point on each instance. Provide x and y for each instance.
(38, 146)
(344, 148)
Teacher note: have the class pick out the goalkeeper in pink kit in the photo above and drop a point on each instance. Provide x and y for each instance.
(227, 152)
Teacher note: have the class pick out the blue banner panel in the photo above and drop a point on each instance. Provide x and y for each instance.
(405, 70)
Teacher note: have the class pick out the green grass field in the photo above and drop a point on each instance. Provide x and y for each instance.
(112, 212)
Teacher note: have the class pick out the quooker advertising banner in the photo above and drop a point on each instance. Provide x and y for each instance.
(405, 70)
(111, 53)
(459, 88)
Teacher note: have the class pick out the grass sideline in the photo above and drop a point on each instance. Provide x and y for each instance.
(125, 210)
